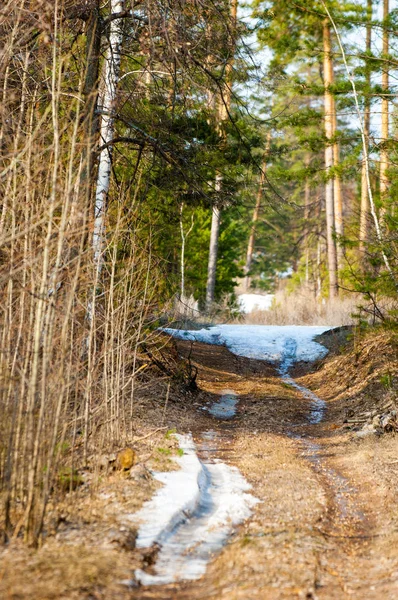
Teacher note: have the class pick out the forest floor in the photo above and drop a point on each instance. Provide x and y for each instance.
(326, 526)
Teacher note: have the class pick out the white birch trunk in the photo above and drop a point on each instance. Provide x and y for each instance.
(111, 78)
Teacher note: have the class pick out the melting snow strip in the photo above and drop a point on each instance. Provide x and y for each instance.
(260, 341)
(225, 407)
(318, 405)
(192, 516)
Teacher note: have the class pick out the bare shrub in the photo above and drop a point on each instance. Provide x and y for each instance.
(67, 383)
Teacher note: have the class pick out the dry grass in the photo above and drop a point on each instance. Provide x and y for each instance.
(360, 376)
(301, 308)
(64, 572)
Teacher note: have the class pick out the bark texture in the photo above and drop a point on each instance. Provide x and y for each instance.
(364, 216)
(384, 182)
(329, 156)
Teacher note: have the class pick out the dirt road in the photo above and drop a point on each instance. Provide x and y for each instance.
(326, 523)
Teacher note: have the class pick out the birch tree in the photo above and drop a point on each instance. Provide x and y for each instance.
(111, 76)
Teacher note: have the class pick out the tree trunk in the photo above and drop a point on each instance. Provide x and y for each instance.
(250, 245)
(111, 78)
(306, 235)
(90, 90)
(224, 105)
(213, 251)
(364, 216)
(256, 214)
(329, 196)
(384, 182)
(184, 237)
(338, 197)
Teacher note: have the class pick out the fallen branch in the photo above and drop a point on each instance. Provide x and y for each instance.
(144, 437)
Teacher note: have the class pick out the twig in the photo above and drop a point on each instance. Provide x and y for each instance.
(148, 434)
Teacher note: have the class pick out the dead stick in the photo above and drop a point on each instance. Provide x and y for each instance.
(148, 435)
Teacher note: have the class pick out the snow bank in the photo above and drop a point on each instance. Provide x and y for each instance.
(250, 302)
(261, 341)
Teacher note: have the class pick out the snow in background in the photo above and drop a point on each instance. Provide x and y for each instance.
(263, 342)
(250, 302)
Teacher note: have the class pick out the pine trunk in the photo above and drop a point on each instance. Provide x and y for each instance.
(256, 214)
(224, 105)
(250, 245)
(329, 195)
(338, 197)
(364, 216)
(384, 183)
(213, 251)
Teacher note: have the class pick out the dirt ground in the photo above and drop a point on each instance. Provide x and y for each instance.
(326, 526)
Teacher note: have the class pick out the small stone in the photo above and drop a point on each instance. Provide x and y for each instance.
(106, 459)
(126, 459)
(140, 473)
(366, 430)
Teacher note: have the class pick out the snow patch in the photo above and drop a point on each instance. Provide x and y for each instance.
(250, 302)
(261, 342)
(175, 500)
(318, 406)
(225, 407)
(192, 516)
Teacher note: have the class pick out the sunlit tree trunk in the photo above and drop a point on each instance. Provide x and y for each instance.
(364, 216)
(337, 195)
(329, 196)
(376, 221)
(384, 182)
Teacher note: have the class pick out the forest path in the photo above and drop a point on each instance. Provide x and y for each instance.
(322, 528)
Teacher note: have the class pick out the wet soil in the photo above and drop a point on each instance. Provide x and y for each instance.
(326, 526)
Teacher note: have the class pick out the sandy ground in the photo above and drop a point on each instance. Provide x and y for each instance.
(326, 526)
